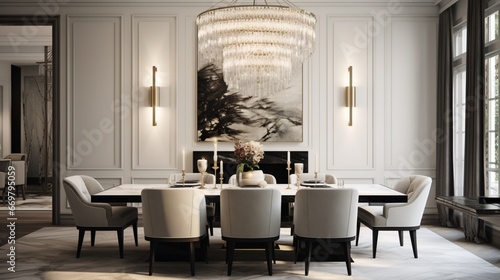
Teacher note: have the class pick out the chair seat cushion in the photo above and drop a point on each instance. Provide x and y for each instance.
(122, 215)
(372, 215)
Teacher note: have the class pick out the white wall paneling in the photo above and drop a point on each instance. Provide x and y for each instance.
(94, 86)
(410, 113)
(154, 44)
(350, 43)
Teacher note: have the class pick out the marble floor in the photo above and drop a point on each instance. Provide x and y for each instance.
(49, 253)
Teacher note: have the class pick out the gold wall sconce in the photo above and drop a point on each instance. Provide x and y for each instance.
(154, 95)
(350, 94)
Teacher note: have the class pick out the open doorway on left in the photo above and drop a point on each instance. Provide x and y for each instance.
(26, 109)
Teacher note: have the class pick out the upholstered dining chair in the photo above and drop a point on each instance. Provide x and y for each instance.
(398, 216)
(18, 161)
(174, 215)
(322, 177)
(207, 179)
(269, 178)
(4, 171)
(250, 215)
(325, 216)
(96, 216)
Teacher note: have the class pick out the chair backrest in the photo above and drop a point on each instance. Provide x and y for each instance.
(79, 189)
(177, 177)
(174, 213)
(327, 178)
(250, 212)
(326, 212)
(417, 187)
(19, 162)
(269, 178)
(4, 170)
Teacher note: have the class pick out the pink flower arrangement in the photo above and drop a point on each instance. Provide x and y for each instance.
(248, 154)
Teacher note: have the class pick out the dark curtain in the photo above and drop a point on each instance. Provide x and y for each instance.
(444, 135)
(474, 117)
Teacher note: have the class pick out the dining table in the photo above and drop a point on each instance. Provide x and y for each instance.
(131, 193)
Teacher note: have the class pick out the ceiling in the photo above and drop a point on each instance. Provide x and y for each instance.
(24, 45)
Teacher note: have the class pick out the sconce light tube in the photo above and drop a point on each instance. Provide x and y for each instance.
(154, 95)
(350, 96)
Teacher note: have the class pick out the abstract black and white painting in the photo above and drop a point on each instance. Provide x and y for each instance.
(229, 116)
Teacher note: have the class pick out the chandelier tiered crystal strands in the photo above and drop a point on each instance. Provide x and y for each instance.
(256, 46)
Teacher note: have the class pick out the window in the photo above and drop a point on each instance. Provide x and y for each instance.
(492, 53)
(459, 60)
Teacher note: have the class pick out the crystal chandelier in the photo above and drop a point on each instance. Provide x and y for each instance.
(256, 46)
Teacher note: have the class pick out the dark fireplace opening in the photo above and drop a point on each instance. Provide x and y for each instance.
(274, 162)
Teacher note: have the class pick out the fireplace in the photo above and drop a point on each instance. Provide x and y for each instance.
(274, 162)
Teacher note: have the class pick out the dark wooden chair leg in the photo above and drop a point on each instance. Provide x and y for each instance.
(152, 248)
(296, 243)
(120, 241)
(230, 256)
(191, 257)
(358, 226)
(92, 237)
(374, 241)
(347, 252)
(413, 237)
(401, 239)
(308, 258)
(134, 227)
(269, 256)
(211, 225)
(81, 235)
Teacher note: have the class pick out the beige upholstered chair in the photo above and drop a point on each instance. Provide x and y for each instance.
(325, 215)
(398, 216)
(208, 179)
(250, 215)
(322, 177)
(18, 161)
(174, 215)
(4, 171)
(269, 178)
(96, 216)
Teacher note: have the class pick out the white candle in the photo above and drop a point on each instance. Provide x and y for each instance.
(316, 163)
(183, 159)
(215, 151)
(288, 157)
(221, 172)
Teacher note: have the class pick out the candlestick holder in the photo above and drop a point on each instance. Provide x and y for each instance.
(288, 169)
(202, 180)
(315, 176)
(221, 178)
(183, 177)
(215, 167)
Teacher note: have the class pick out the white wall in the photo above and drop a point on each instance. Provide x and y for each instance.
(107, 51)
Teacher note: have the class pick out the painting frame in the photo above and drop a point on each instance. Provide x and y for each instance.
(227, 115)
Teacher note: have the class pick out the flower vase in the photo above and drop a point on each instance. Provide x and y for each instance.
(253, 178)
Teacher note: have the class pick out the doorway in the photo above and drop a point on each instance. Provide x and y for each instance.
(48, 136)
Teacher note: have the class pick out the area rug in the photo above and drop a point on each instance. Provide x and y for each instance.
(50, 253)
